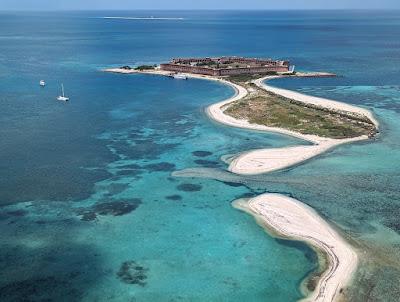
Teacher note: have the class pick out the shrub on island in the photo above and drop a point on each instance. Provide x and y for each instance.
(145, 67)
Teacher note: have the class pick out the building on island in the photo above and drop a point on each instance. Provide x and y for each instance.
(225, 66)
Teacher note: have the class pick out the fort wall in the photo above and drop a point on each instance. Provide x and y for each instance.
(254, 66)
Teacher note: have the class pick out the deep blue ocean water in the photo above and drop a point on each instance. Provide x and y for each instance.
(89, 209)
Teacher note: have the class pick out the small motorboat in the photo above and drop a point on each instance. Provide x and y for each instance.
(62, 97)
(180, 76)
(42, 83)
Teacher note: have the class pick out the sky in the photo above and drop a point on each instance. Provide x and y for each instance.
(200, 4)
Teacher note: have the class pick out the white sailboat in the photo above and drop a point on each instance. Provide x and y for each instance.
(62, 97)
(42, 83)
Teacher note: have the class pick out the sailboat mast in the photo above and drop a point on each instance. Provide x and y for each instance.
(62, 88)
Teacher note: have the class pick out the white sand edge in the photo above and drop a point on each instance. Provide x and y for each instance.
(295, 220)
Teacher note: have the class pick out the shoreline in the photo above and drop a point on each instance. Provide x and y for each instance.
(292, 219)
(289, 217)
(260, 161)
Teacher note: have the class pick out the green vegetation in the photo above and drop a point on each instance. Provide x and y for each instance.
(271, 110)
(209, 64)
(145, 67)
(242, 78)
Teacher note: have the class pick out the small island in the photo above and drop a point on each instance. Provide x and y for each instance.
(322, 122)
(227, 66)
(266, 108)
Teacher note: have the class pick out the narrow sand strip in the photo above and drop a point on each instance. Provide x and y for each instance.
(143, 18)
(268, 160)
(295, 220)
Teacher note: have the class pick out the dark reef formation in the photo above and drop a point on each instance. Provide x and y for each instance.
(160, 167)
(175, 197)
(132, 273)
(189, 187)
(207, 163)
(201, 153)
(113, 208)
(35, 289)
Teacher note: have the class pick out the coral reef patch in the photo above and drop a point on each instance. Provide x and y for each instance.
(174, 197)
(186, 187)
(111, 208)
(201, 153)
(132, 273)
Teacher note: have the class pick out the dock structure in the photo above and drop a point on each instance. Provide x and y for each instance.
(226, 66)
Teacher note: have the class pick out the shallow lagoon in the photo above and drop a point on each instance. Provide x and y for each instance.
(182, 234)
(90, 210)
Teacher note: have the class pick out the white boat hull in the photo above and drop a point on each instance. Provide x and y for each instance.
(63, 98)
(180, 77)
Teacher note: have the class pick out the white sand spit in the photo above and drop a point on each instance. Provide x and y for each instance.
(295, 220)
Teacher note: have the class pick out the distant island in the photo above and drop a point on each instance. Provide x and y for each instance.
(142, 18)
(264, 105)
(258, 106)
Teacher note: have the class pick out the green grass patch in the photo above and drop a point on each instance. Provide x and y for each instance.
(274, 111)
(145, 67)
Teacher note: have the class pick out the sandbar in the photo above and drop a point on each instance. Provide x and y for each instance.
(294, 220)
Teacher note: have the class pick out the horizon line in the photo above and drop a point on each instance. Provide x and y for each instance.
(199, 9)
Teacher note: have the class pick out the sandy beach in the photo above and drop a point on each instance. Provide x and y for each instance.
(295, 220)
(262, 161)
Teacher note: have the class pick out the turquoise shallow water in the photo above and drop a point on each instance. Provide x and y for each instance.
(188, 241)
(90, 211)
